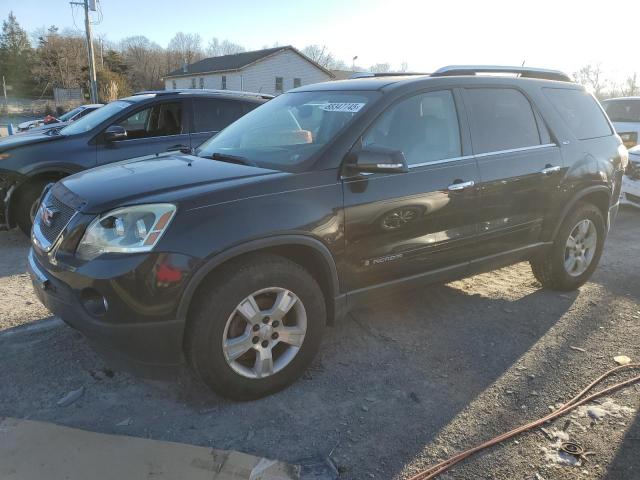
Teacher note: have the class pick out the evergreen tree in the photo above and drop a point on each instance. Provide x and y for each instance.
(16, 56)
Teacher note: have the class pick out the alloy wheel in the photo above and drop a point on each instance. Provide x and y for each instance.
(264, 333)
(580, 247)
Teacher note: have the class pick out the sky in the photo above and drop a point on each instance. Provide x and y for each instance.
(560, 34)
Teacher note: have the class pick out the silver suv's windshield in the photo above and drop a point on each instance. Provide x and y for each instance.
(289, 129)
(91, 120)
(623, 110)
(69, 114)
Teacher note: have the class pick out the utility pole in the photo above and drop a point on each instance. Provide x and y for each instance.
(93, 85)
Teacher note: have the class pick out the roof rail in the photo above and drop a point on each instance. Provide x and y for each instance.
(383, 74)
(197, 91)
(525, 72)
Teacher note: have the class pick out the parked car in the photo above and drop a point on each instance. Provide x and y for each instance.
(144, 124)
(625, 115)
(234, 258)
(631, 181)
(68, 117)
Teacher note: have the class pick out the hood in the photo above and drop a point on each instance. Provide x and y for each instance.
(169, 178)
(28, 123)
(43, 128)
(21, 139)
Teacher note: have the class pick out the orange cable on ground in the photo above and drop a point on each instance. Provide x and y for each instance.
(576, 401)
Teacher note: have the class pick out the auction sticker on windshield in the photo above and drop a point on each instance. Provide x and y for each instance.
(342, 107)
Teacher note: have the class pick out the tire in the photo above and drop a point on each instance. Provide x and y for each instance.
(551, 269)
(27, 198)
(216, 314)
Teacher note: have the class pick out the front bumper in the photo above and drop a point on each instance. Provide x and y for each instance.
(137, 326)
(630, 193)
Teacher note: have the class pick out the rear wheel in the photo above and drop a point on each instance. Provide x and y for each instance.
(27, 204)
(256, 328)
(575, 252)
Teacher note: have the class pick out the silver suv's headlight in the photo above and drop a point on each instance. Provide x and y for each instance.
(126, 230)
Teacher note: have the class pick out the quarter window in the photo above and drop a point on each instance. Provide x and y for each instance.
(279, 85)
(580, 111)
(424, 127)
(500, 119)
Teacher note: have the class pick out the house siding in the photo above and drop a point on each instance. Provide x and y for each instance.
(261, 76)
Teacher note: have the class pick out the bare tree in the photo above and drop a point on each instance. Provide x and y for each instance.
(61, 59)
(184, 47)
(145, 62)
(592, 76)
(631, 87)
(320, 54)
(380, 68)
(216, 48)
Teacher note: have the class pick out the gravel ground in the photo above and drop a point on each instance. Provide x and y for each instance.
(409, 380)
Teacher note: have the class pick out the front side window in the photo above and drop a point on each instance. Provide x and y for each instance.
(288, 130)
(279, 83)
(500, 119)
(95, 118)
(424, 127)
(580, 111)
(213, 115)
(223, 82)
(157, 121)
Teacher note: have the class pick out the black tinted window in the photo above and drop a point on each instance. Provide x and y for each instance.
(212, 115)
(424, 127)
(160, 120)
(627, 110)
(501, 119)
(580, 111)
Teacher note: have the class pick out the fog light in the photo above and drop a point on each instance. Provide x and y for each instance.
(94, 303)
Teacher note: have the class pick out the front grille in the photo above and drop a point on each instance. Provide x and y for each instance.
(61, 215)
(633, 170)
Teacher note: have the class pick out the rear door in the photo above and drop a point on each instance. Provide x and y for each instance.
(150, 129)
(406, 224)
(519, 167)
(211, 115)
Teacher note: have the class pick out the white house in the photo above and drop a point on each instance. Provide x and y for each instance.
(272, 71)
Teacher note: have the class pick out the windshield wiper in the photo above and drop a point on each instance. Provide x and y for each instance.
(224, 157)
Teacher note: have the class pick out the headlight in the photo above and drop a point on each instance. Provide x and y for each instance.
(126, 230)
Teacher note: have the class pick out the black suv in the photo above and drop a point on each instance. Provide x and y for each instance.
(234, 258)
(146, 123)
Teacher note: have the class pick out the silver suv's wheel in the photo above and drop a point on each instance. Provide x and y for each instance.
(255, 326)
(264, 333)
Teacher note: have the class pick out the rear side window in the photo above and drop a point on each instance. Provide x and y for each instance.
(211, 115)
(627, 110)
(580, 112)
(500, 119)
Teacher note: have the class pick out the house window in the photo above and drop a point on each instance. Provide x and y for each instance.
(201, 82)
(297, 82)
(173, 84)
(223, 82)
(279, 84)
(193, 82)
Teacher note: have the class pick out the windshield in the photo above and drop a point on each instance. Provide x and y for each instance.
(91, 120)
(289, 129)
(69, 114)
(623, 110)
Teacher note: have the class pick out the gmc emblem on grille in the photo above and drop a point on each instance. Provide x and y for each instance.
(48, 215)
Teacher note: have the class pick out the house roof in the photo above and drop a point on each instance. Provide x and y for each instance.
(236, 61)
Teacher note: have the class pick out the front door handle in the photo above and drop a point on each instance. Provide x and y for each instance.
(459, 186)
(549, 170)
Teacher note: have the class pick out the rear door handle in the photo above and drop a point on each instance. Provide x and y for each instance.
(549, 170)
(458, 187)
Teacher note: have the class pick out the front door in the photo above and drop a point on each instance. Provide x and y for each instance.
(153, 129)
(520, 168)
(406, 224)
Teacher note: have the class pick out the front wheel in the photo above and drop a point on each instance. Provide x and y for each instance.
(256, 327)
(575, 252)
(27, 204)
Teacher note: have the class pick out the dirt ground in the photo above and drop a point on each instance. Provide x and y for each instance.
(412, 378)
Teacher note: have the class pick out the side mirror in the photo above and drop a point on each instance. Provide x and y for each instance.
(115, 133)
(374, 159)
